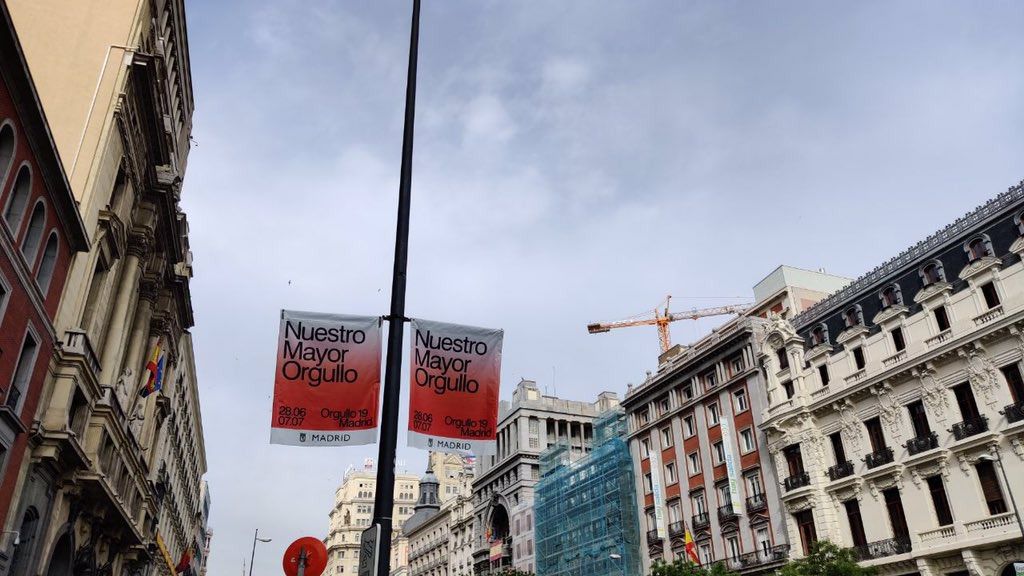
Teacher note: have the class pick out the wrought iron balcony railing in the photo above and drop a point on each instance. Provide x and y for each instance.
(879, 457)
(882, 548)
(700, 521)
(1014, 412)
(922, 443)
(756, 503)
(676, 529)
(726, 512)
(970, 427)
(652, 536)
(840, 470)
(798, 481)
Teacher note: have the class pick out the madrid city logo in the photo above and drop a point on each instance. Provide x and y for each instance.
(430, 442)
(302, 436)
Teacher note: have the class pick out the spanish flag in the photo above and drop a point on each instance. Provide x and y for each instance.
(155, 367)
(691, 548)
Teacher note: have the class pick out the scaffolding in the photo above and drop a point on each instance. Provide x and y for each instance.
(586, 511)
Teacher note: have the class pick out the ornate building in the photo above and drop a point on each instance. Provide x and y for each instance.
(895, 408)
(113, 481)
(440, 531)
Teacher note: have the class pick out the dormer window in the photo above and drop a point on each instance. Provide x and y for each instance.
(891, 296)
(819, 335)
(853, 316)
(978, 248)
(932, 273)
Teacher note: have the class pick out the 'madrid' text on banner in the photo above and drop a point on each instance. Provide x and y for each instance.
(328, 380)
(453, 388)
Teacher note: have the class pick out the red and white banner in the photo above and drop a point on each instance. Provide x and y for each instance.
(454, 381)
(328, 380)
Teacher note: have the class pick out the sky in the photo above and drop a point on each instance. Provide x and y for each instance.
(575, 161)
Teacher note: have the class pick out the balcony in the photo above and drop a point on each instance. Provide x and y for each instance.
(760, 558)
(676, 529)
(879, 457)
(756, 503)
(882, 548)
(970, 427)
(700, 521)
(726, 512)
(652, 536)
(799, 481)
(841, 470)
(76, 342)
(1014, 412)
(922, 443)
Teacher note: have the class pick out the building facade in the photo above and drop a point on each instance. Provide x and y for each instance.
(39, 232)
(98, 496)
(440, 530)
(353, 513)
(896, 405)
(503, 487)
(586, 510)
(702, 464)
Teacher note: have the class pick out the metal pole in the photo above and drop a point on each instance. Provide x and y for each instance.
(384, 498)
(302, 562)
(253, 557)
(1009, 490)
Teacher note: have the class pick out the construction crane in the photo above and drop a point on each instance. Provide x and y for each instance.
(662, 319)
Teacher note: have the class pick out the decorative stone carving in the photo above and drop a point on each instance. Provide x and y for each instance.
(929, 469)
(935, 395)
(140, 243)
(136, 419)
(1018, 447)
(982, 374)
(884, 482)
(123, 387)
(780, 328)
(965, 464)
(889, 406)
(850, 426)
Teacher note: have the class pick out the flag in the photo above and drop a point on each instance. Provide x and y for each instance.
(156, 377)
(691, 548)
(151, 366)
(185, 562)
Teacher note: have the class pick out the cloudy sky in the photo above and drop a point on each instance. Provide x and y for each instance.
(575, 161)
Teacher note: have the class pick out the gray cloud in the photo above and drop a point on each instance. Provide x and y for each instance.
(574, 162)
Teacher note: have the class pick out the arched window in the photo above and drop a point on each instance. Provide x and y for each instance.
(891, 295)
(819, 335)
(6, 150)
(931, 273)
(30, 247)
(45, 274)
(18, 201)
(979, 247)
(853, 316)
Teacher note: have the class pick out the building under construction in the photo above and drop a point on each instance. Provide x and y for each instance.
(586, 510)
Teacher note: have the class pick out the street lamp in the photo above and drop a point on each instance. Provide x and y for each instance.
(999, 464)
(255, 538)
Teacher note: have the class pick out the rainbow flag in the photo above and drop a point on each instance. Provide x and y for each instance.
(156, 375)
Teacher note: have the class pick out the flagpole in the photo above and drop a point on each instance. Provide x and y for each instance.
(384, 497)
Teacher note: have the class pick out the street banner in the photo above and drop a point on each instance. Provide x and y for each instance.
(730, 465)
(327, 382)
(659, 494)
(454, 379)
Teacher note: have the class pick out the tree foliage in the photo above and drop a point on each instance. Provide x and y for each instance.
(685, 568)
(826, 559)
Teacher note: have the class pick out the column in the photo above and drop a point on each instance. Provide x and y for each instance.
(138, 247)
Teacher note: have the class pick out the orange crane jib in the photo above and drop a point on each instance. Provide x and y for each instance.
(661, 319)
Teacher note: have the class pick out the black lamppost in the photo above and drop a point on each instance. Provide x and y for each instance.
(255, 538)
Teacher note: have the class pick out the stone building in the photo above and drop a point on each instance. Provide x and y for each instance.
(40, 230)
(896, 405)
(440, 530)
(701, 409)
(113, 78)
(353, 513)
(503, 487)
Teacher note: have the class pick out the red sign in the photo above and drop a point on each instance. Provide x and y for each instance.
(328, 380)
(454, 383)
(315, 552)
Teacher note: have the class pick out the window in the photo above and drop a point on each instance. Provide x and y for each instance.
(643, 416)
(689, 427)
(6, 150)
(22, 372)
(710, 380)
(675, 512)
(46, 266)
(932, 273)
(732, 543)
(856, 522)
(858, 357)
(988, 291)
(875, 434)
(30, 246)
(706, 557)
(941, 318)
(788, 387)
(966, 402)
(666, 437)
(688, 392)
(823, 374)
(534, 442)
(891, 296)
(698, 503)
(764, 540)
(648, 486)
(919, 419)
(739, 400)
(940, 501)
(897, 516)
(853, 316)
(1011, 372)
(5, 292)
(18, 200)
(645, 447)
(794, 460)
(805, 525)
(753, 482)
(534, 426)
(783, 358)
(819, 335)
(978, 248)
(990, 487)
(897, 339)
(670, 473)
(747, 441)
(736, 365)
(713, 415)
(719, 449)
(665, 405)
(693, 463)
